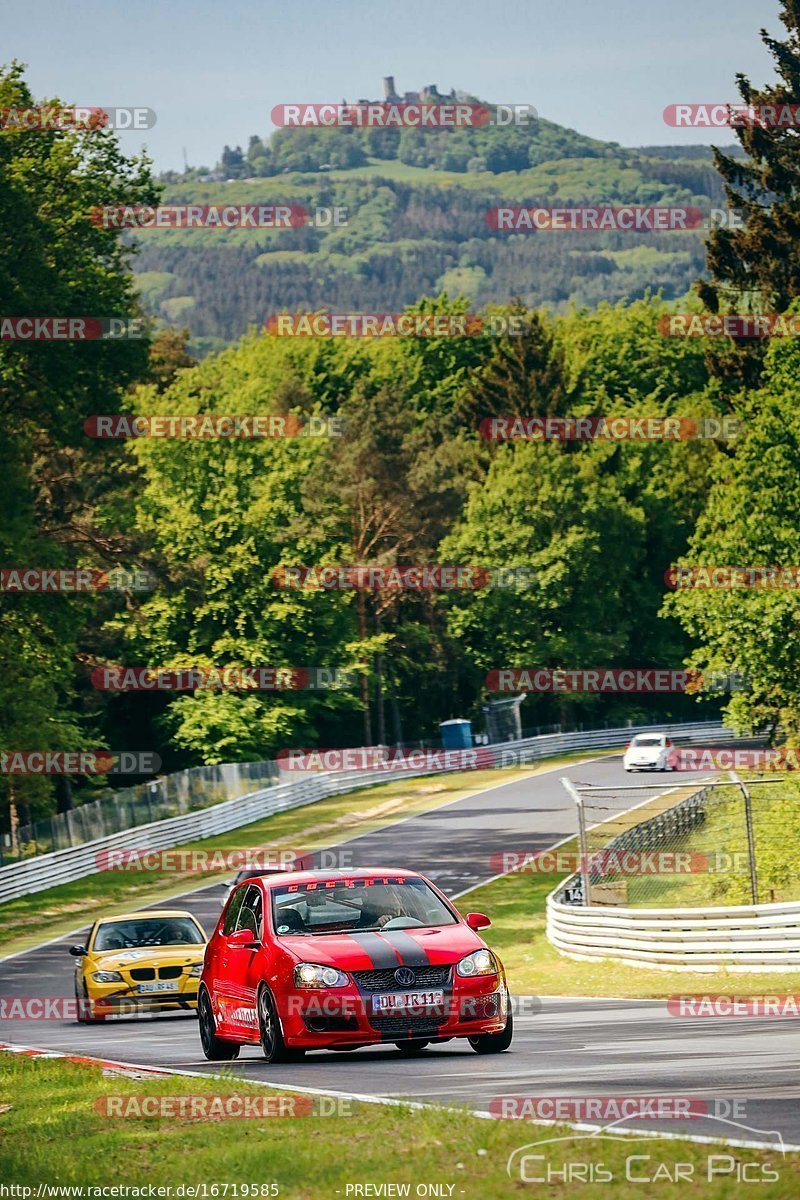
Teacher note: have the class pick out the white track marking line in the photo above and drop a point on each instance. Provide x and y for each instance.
(412, 1104)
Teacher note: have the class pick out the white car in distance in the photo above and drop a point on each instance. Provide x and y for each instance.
(648, 752)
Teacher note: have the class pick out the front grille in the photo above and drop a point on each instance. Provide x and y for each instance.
(384, 981)
(404, 1027)
(169, 972)
(142, 974)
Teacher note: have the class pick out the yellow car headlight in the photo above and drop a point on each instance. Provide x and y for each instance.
(107, 977)
(196, 969)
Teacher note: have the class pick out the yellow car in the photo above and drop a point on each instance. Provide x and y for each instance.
(144, 961)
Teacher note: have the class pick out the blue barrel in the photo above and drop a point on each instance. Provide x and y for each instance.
(456, 734)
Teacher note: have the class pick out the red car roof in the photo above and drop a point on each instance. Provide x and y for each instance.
(323, 876)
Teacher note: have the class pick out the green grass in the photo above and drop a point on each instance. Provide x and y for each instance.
(51, 1133)
(516, 905)
(44, 915)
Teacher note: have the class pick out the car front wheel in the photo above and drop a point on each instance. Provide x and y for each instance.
(494, 1043)
(216, 1049)
(273, 1046)
(89, 1012)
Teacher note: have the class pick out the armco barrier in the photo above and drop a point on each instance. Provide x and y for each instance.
(65, 866)
(750, 937)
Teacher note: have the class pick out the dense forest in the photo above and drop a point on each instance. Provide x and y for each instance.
(416, 204)
(406, 477)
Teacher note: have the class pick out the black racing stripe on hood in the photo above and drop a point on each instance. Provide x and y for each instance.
(411, 953)
(382, 955)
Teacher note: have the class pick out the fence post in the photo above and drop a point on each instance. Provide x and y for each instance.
(748, 821)
(582, 848)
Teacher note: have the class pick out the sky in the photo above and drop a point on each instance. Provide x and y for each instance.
(213, 72)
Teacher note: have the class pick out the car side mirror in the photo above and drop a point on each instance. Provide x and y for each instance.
(243, 939)
(78, 951)
(477, 921)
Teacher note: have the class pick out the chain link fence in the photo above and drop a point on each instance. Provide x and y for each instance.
(726, 842)
(168, 796)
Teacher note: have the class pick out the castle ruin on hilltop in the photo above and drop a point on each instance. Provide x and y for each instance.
(427, 95)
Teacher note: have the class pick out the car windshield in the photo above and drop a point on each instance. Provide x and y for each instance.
(357, 905)
(148, 931)
(647, 741)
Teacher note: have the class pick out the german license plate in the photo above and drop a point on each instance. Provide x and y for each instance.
(406, 1001)
(160, 985)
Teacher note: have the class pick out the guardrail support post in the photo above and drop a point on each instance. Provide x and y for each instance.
(748, 821)
(582, 847)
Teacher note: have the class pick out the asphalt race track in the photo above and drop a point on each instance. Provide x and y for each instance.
(562, 1047)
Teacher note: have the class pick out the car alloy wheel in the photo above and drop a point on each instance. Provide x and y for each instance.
(269, 1030)
(267, 1026)
(214, 1048)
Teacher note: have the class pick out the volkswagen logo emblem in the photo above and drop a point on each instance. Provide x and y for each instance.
(404, 976)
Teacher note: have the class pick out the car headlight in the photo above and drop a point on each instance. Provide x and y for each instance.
(313, 975)
(196, 969)
(481, 962)
(107, 977)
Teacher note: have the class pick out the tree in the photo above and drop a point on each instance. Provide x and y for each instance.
(759, 264)
(168, 354)
(54, 260)
(221, 516)
(751, 520)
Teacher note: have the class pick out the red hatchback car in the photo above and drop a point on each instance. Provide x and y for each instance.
(330, 960)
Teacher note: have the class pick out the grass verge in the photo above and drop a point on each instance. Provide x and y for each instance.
(44, 915)
(51, 1133)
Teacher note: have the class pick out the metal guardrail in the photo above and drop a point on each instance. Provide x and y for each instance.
(66, 866)
(751, 937)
